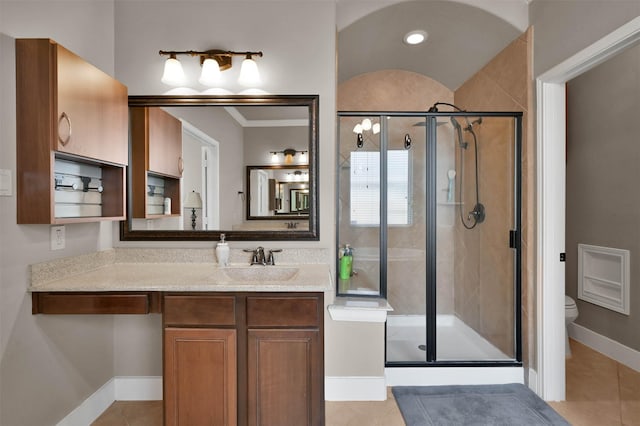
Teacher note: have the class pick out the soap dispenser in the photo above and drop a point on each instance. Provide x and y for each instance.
(222, 252)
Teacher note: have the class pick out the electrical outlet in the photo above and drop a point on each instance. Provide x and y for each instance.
(57, 237)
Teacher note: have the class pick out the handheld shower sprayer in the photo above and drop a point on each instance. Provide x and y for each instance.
(458, 130)
(477, 214)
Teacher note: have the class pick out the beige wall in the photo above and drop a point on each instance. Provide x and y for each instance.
(563, 28)
(48, 364)
(484, 292)
(603, 204)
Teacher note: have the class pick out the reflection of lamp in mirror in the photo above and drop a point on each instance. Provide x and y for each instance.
(193, 202)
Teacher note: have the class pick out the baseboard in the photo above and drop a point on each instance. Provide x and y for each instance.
(355, 388)
(126, 388)
(134, 388)
(439, 376)
(614, 350)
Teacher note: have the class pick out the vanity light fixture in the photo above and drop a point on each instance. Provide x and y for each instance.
(212, 62)
(288, 153)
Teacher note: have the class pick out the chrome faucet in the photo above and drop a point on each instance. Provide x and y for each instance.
(259, 257)
(271, 260)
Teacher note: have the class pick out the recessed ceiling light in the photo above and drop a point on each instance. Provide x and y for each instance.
(415, 37)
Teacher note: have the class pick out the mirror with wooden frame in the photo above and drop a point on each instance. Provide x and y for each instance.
(188, 155)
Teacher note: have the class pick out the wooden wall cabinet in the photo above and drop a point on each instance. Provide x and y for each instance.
(156, 138)
(67, 109)
(277, 375)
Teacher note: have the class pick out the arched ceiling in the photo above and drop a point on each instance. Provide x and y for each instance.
(462, 39)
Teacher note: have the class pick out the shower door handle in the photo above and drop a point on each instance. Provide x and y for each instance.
(514, 239)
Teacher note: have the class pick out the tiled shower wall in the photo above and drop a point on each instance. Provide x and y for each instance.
(484, 287)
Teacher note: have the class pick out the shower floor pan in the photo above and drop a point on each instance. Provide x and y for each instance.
(455, 341)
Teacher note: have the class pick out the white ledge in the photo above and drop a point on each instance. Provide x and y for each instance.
(359, 309)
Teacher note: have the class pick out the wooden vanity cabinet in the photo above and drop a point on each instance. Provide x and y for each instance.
(67, 109)
(285, 359)
(156, 138)
(244, 358)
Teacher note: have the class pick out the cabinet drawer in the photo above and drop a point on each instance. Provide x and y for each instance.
(90, 303)
(199, 310)
(274, 311)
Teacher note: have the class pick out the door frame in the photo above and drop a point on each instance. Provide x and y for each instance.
(551, 199)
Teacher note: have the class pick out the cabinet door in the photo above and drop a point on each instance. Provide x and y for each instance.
(200, 385)
(165, 143)
(285, 378)
(92, 118)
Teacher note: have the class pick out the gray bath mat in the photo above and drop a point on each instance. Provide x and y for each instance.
(504, 405)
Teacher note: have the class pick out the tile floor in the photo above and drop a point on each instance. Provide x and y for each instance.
(600, 392)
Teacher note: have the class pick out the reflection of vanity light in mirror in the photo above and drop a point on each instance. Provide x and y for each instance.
(193, 202)
(288, 154)
(213, 62)
(298, 176)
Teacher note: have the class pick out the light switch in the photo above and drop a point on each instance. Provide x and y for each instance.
(5, 183)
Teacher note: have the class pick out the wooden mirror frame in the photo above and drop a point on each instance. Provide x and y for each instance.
(312, 234)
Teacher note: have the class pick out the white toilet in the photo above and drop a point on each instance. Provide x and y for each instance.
(570, 315)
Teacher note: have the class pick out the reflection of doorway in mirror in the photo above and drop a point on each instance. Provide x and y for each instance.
(200, 153)
(259, 193)
(211, 187)
(299, 198)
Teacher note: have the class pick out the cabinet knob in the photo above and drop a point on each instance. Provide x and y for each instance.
(64, 117)
(180, 165)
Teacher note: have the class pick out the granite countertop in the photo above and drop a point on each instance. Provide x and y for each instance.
(138, 271)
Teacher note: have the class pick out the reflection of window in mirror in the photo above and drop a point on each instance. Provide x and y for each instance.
(365, 188)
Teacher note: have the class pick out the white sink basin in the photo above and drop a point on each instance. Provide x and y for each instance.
(259, 273)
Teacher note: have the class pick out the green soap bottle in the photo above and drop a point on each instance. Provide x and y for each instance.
(346, 263)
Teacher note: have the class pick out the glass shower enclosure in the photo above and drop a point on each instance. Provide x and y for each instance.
(430, 205)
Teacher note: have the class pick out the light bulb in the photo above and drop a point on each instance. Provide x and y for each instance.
(210, 75)
(357, 128)
(376, 128)
(366, 124)
(274, 157)
(173, 74)
(249, 74)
